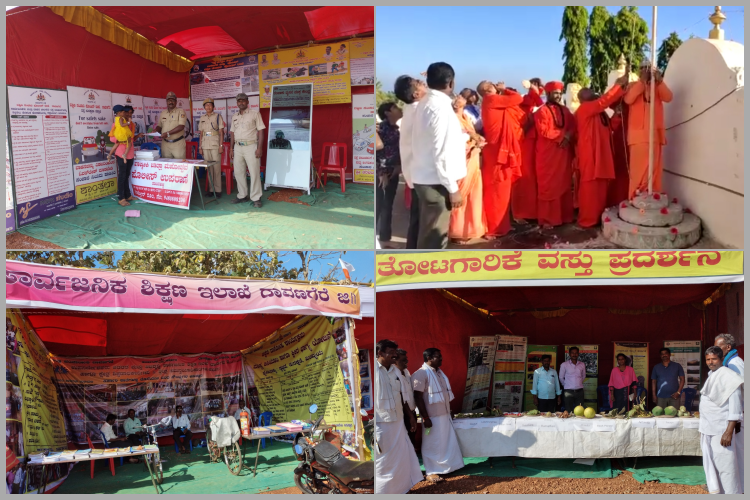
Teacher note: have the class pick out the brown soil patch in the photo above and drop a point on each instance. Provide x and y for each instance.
(286, 491)
(18, 241)
(624, 483)
(288, 195)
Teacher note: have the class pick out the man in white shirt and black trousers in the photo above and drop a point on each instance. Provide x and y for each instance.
(439, 157)
(181, 425)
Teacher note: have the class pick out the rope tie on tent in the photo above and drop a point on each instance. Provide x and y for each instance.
(476, 310)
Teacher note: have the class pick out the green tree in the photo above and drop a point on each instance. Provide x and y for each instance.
(666, 49)
(382, 96)
(599, 54)
(575, 61)
(628, 34)
(74, 259)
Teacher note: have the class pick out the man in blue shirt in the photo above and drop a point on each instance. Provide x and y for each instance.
(667, 381)
(546, 386)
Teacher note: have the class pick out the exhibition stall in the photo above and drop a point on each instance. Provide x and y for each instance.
(494, 314)
(60, 100)
(84, 343)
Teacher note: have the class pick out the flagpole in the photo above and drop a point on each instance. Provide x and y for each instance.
(652, 117)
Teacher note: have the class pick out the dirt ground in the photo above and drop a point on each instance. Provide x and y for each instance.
(18, 241)
(286, 491)
(288, 195)
(624, 483)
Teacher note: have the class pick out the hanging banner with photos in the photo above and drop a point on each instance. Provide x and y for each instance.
(224, 78)
(327, 66)
(91, 388)
(509, 374)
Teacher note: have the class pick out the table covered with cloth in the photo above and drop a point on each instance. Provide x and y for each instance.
(541, 437)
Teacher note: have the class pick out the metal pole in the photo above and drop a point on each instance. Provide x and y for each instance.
(652, 117)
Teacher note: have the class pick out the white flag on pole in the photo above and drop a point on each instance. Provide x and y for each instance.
(347, 268)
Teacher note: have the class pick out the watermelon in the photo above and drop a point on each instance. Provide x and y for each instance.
(578, 411)
(657, 411)
(670, 410)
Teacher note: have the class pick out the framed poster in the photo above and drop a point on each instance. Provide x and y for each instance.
(362, 61)
(479, 373)
(510, 371)
(288, 160)
(40, 153)
(363, 138)
(224, 78)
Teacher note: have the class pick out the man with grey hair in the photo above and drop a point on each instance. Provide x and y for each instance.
(732, 360)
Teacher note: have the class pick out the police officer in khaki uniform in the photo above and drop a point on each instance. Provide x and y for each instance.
(211, 128)
(247, 136)
(171, 126)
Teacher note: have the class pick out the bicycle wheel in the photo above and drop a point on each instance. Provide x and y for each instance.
(158, 471)
(233, 458)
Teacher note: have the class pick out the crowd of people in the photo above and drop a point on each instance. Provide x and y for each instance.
(474, 160)
(398, 394)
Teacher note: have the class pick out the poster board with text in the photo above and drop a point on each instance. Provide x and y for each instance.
(362, 61)
(224, 78)
(687, 353)
(363, 138)
(509, 373)
(479, 373)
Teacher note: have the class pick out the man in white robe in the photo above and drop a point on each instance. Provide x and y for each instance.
(407, 391)
(432, 394)
(734, 362)
(396, 464)
(720, 409)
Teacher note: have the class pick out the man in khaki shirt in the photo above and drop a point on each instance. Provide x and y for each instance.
(247, 135)
(172, 122)
(211, 128)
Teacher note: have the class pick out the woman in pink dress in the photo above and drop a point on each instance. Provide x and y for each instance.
(622, 383)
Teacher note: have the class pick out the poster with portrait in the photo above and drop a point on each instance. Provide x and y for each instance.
(326, 66)
(362, 61)
(224, 78)
(288, 160)
(41, 158)
(363, 138)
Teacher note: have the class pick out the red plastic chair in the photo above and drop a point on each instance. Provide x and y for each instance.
(111, 460)
(226, 168)
(333, 162)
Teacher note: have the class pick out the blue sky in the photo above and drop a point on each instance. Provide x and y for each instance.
(363, 262)
(507, 44)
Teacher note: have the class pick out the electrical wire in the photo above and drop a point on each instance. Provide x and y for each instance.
(705, 110)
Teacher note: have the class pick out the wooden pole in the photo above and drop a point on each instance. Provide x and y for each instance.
(652, 117)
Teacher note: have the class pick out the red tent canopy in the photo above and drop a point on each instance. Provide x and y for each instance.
(418, 319)
(67, 333)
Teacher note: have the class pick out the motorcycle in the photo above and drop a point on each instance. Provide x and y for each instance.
(325, 470)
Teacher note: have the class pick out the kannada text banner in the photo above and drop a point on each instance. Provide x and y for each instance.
(584, 266)
(35, 285)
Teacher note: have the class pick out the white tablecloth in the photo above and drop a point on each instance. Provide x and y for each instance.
(540, 437)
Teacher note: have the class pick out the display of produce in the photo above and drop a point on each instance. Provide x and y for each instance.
(578, 411)
(589, 412)
(671, 411)
(615, 413)
(639, 410)
(658, 411)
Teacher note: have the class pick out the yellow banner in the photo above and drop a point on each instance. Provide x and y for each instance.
(478, 266)
(96, 190)
(362, 48)
(301, 365)
(326, 66)
(42, 425)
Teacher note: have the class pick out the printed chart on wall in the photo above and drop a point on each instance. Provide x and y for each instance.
(10, 208)
(479, 373)
(40, 141)
(589, 356)
(363, 138)
(327, 66)
(534, 355)
(687, 353)
(90, 122)
(224, 78)
(365, 375)
(92, 388)
(637, 354)
(363, 61)
(510, 371)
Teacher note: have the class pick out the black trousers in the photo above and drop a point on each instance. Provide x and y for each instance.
(123, 176)
(412, 234)
(183, 443)
(434, 216)
(384, 197)
(546, 405)
(412, 435)
(572, 398)
(135, 439)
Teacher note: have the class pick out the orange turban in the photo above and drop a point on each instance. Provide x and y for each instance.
(550, 87)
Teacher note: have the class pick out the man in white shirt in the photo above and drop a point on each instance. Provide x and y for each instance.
(410, 91)
(734, 362)
(111, 437)
(439, 158)
(181, 424)
(396, 465)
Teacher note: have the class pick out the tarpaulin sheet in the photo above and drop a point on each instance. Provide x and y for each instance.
(418, 319)
(675, 470)
(335, 221)
(536, 467)
(45, 51)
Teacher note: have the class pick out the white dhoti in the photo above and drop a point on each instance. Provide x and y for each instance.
(440, 451)
(396, 464)
(739, 443)
(720, 464)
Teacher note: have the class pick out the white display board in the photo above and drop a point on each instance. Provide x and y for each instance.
(363, 138)
(289, 153)
(41, 158)
(90, 122)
